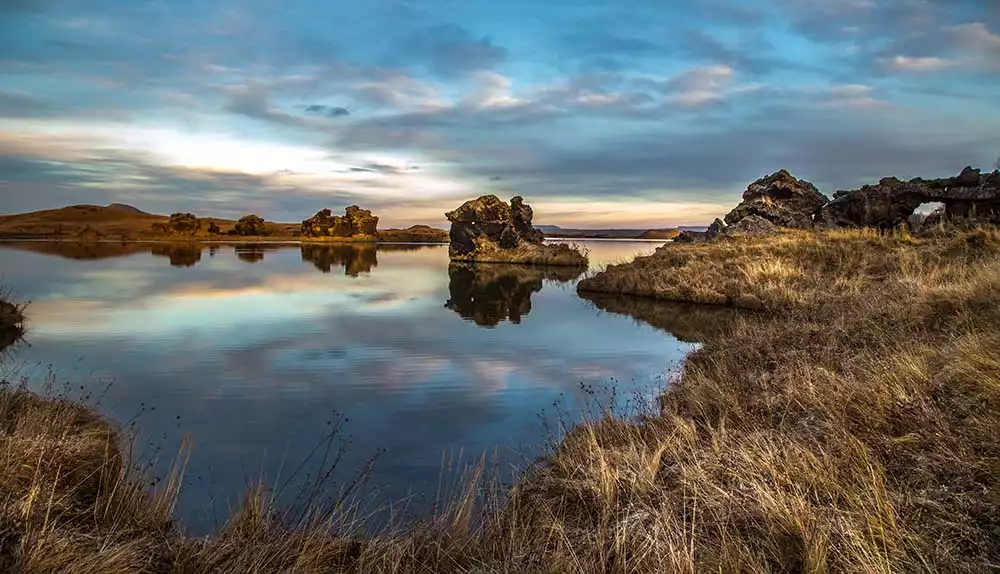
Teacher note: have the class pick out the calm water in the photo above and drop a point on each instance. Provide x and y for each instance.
(253, 349)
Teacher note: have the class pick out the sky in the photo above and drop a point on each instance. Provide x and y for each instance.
(624, 113)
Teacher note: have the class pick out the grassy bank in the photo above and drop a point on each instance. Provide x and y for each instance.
(856, 430)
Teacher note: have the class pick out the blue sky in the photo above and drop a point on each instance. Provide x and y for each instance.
(618, 113)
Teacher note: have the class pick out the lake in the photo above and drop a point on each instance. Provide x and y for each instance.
(255, 351)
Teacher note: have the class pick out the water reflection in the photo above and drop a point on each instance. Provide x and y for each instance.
(487, 294)
(80, 251)
(251, 360)
(250, 252)
(180, 255)
(355, 259)
(687, 322)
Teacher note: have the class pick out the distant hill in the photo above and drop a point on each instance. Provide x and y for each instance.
(127, 209)
(555, 231)
(119, 221)
(78, 220)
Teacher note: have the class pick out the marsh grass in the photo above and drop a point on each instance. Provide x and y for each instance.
(856, 429)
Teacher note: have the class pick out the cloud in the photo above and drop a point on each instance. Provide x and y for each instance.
(18, 105)
(328, 111)
(251, 100)
(753, 53)
(976, 38)
(853, 95)
(700, 86)
(920, 64)
(448, 50)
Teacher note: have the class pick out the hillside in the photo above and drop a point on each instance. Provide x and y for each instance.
(79, 221)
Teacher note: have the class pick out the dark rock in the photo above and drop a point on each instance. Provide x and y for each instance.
(489, 229)
(686, 236)
(751, 225)
(485, 218)
(891, 202)
(520, 221)
(717, 228)
(780, 199)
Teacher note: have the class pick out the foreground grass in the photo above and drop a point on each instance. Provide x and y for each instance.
(858, 430)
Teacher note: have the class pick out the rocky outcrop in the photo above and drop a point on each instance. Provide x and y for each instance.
(488, 294)
(890, 202)
(780, 199)
(488, 229)
(717, 229)
(250, 226)
(688, 236)
(356, 224)
(751, 225)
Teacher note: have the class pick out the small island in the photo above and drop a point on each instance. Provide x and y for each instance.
(489, 230)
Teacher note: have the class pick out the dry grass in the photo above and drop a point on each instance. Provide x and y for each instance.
(560, 254)
(789, 271)
(856, 431)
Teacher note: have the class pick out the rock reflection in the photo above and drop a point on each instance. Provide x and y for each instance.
(688, 322)
(180, 254)
(354, 258)
(253, 252)
(488, 294)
